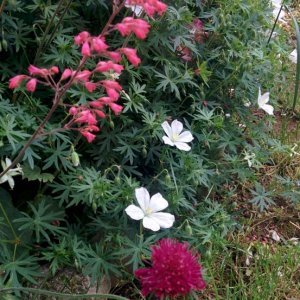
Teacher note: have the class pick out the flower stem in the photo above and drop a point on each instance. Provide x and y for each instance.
(62, 295)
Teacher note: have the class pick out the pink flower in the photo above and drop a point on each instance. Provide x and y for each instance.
(131, 55)
(86, 50)
(66, 74)
(116, 108)
(86, 117)
(113, 94)
(96, 104)
(16, 81)
(100, 113)
(115, 56)
(73, 110)
(138, 26)
(81, 38)
(82, 75)
(31, 85)
(175, 271)
(90, 86)
(111, 84)
(99, 45)
(54, 70)
(150, 6)
(105, 66)
(34, 71)
(89, 136)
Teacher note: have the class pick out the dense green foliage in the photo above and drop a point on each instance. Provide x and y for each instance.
(63, 215)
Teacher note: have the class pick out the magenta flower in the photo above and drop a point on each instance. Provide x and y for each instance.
(175, 271)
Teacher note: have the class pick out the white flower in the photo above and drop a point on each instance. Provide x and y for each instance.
(149, 210)
(9, 175)
(137, 9)
(250, 158)
(247, 103)
(227, 115)
(293, 56)
(175, 137)
(262, 102)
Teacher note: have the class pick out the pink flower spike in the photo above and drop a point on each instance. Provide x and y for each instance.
(99, 45)
(66, 74)
(86, 117)
(138, 26)
(100, 114)
(131, 55)
(174, 273)
(89, 136)
(85, 50)
(90, 86)
(34, 71)
(31, 85)
(105, 100)
(116, 108)
(81, 38)
(54, 70)
(16, 81)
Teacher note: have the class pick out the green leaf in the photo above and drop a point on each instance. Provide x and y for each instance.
(35, 174)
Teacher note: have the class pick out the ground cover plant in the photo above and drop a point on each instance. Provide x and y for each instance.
(143, 153)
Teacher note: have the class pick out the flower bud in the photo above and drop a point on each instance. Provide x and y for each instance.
(111, 124)
(168, 178)
(188, 229)
(94, 207)
(117, 180)
(144, 152)
(75, 159)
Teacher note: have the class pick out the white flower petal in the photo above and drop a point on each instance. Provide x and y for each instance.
(11, 182)
(151, 224)
(182, 146)
(143, 197)
(4, 178)
(176, 127)
(164, 220)
(264, 99)
(158, 203)
(167, 129)
(134, 212)
(293, 56)
(167, 141)
(7, 162)
(269, 109)
(185, 137)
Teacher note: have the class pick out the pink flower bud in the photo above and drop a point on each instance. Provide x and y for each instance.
(85, 50)
(131, 55)
(115, 56)
(66, 74)
(99, 45)
(89, 136)
(73, 111)
(116, 108)
(81, 38)
(83, 75)
(16, 81)
(31, 85)
(34, 71)
(111, 84)
(54, 70)
(100, 114)
(90, 86)
(96, 104)
(113, 94)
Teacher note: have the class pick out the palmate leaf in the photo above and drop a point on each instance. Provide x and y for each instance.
(13, 269)
(262, 198)
(36, 174)
(41, 220)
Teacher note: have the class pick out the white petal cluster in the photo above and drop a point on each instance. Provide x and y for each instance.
(149, 210)
(293, 56)
(175, 136)
(9, 175)
(136, 9)
(262, 102)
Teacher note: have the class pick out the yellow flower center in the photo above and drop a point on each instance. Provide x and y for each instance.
(148, 211)
(175, 137)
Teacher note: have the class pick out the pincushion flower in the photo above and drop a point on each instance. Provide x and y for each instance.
(149, 210)
(175, 136)
(9, 175)
(175, 271)
(262, 102)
